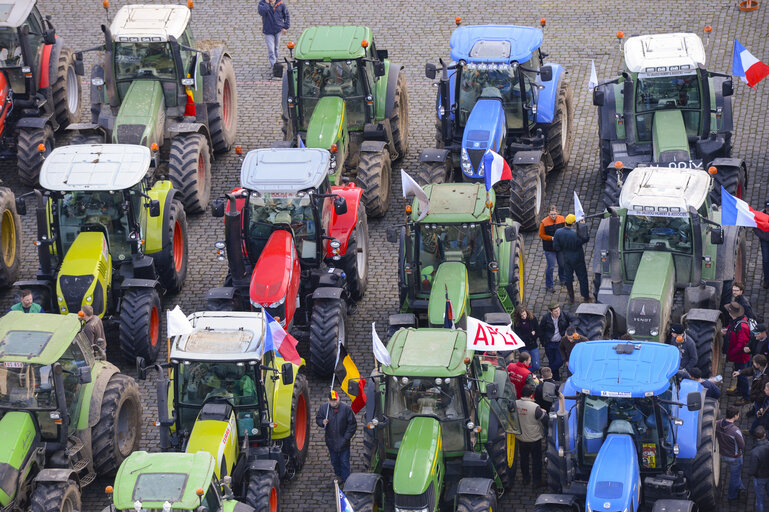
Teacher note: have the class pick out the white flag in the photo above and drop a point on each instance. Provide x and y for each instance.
(579, 213)
(593, 77)
(411, 187)
(177, 323)
(380, 352)
(485, 337)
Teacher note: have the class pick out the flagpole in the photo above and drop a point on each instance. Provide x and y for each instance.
(333, 375)
(336, 488)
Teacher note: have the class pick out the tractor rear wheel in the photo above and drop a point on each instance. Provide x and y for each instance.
(560, 135)
(399, 122)
(171, 261)
(87, 139)
(140, 324)
(527, 194)
(704, 472)
(516, 289)
(555, 465)
(263, 492)
(327, 329)
(501, 448)
(708, 340)
(223, 115)
(55, 497)
(732, 178)
(363, 501)
(476, 503)
(66, 89)
(118, 431)
(356, 259)
(594, 327)
(298, 443)
(29, 158)
(10, 239)
(611, 189)
(189, 168)
(375, 178)
(432, 172)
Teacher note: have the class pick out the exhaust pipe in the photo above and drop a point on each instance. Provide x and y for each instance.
(232, 225)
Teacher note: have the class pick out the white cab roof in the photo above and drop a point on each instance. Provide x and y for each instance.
(95, 167)
(221, 336)
(658, 188)
(144, 23)
(658, 52)
(284, 169)
(14, 13)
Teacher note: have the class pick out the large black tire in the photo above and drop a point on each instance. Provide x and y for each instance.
(516, 289)
(140, 320)
(497, 448)
(704, 473)
(399, 121)
(223, 115)
(298, 443)
(66, 89)
(28, 156)
(189, 168)
(171, 261)
(375, 178)
(604, 146)
(432, 172)
(527, 194)
(594, 327)
(554, 464)
(356, 258)
(263, 492)
(55, 497)
(362, 501)
(475, 503)
(10, 239)
(611, 189)
(369, 447)
(118, 432)
(560, 133)
(708, 340)
(82, 138)
(327, 327)
(732, 178)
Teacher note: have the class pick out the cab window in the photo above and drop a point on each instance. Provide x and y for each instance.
(212, 500)
(71, 361)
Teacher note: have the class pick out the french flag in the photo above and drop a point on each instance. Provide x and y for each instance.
(496, 169)
(745, 65)
(281, 341)
(736, 212)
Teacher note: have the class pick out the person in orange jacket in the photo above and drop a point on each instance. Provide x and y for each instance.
(547, 229)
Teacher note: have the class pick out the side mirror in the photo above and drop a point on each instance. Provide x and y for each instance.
(49, 36)
(510, 233)
(430, 71)
(79, 67)
(21, 206)
(392, 233)
(381, 54)
(717, 236)
(217, 208)
(206, 56)
(549, 391)
(277, 70)
(727, 88)
(492, 391)
(340, 205)
(598, 97)
(287, 374)
(379, 68)
(546, 73)
(141, 368)
(694, 401)
(154, 208)
(84, 374)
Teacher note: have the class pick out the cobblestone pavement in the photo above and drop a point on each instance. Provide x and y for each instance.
(414, 32)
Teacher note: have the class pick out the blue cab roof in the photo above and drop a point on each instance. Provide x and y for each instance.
(599, 369)
(494, 43)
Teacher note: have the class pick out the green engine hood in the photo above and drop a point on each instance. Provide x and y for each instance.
(86, 264)
(451, 276)
(419, 457)
(17, 430)
(670, 142)
(140, 119)
(651, 298)
(326, 123)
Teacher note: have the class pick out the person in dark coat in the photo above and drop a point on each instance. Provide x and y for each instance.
(758, 467)
(757, 371)
(711, 388)
(759, 344)
(567, 344)
(550, 336)
(686, 346)
(275, 22)
(339, 423)
(547, 228)
(568, 241)
(738, 296)
(736, 338)
(526, 326)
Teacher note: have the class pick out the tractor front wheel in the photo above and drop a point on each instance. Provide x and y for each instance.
(10, 239)
(263, 492)
(594, 327)
(297, 445)
(364, 501)
(527, 194)
(708, 339)
(55, 497)
(477, 503)
(140, 324)
(516, 288)
(327, 330)
(66, 90)
(704, 473)
(501, 448)
(732, 178)
(399, 122)
(611, 189)
(432, 172)
(560, 135)
(223, 115)
(189, 168)
(171, 261)
(375, 178)
(118, 431)
(555, 465)
(356, 258)
(29, 158)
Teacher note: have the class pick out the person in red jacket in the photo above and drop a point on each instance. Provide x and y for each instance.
(519, 373)
(737, 337)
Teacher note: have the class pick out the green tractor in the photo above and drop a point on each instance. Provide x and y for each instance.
(107, 239)
(460, 249)
(10, 238)
(229, 397)
(66, 414)
(663, 257)
(171, 481)
(156, 88)
(342, 94)
(441, 425)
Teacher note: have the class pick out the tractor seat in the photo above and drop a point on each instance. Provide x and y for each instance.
(621, 427)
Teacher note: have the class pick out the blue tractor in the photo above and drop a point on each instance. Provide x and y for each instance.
(497, 94)
(628, 431)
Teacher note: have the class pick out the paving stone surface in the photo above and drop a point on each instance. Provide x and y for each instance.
(415, 32)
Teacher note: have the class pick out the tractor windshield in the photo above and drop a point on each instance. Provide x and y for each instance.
(679, 92)
(426, 396)
(646, 232)
(26, 386)
(271, 210)
(452, 242)
(475, 78)
(201, 380)
(100, 211)
(340, 78)
(144, 60)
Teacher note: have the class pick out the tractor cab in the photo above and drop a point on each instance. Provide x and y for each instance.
(23, 34)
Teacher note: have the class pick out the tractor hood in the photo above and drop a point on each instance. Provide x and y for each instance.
(18, 433)
(484, 130)
(216, 434)
(275, 279)
(614, 479)
(326, 122)
(670, 142)
(419, 458)
(651, 298)
(450, 278)
(140, 119)
(87, 261)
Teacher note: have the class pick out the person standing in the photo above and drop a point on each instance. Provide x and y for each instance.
(686, 346)
(567, 344)
(568, 242)
(532, 418)
(552, 327)
(731, 445)
(547, 228)
(759, 343)
(763, 237)
(738, 296)
(275, 22)
(525, 325)
(758, 467)
(762, 411)
(339, 423)
(27, 303)
(94, 328)
(757, 370)
(736, 337)
(539, 396)
(711, 389)
(520, 374)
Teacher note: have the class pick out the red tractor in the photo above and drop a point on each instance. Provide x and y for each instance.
(296, 246)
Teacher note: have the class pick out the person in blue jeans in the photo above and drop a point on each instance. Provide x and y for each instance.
(731, 446)
(552, 327)
(526, 326)
(339, 423)
(547, 228)
(275, 22)
(758, 467)
(763, 237)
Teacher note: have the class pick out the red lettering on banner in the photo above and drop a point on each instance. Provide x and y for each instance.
(478, 336)
(512, 339)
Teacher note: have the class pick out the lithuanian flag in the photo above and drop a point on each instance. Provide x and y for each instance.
(350, 380)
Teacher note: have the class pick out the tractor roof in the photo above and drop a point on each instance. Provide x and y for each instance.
(428, 352)
(221, 336)
(664, 190)
(601, 369)
(36, 338)
(14, 12)
(338, 42)
(284, 169)
(664, 53)
(494, 43)
(145, 23)
(455, 202)
(154, 478)
(95, 167)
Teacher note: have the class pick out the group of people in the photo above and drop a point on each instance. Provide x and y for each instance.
(563, 239)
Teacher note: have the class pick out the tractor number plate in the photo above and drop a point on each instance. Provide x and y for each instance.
(617, 394)
(13, 364)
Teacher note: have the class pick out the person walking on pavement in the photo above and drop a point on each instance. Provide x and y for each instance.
(685, 345)
(757, 465)
(520, 373)
(763, 237)
(552, 327)
(532, 419)
(339, 423)
(275, 22)
(731, 445)
(526, 326)
(27, 303)
(94, 328)
(736, 337)
(568, 241)
(547, 228)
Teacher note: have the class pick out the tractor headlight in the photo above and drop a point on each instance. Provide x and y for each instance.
(654, 331)
(467, 167)
(97, 81)
(88, 299)
(276, 304)
(631, 331)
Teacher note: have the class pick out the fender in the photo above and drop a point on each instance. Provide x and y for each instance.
(327, 293)
(547, 102)
(156, 236)
(527, 157)
(362, 482)
(93, 408)
(138, 283)
(209, 81)
(730, 162)
(263, 465)
(227, 292)
(342, 226)
(726, 253)
(174, 128)
(88, 129)
(57, 475)
(474, 486)
(434, 155)
(688, 434)
(34, 122)
(393, 71)
(567, 501)
(372, 146)
(46, 70)
(592, 309)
